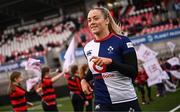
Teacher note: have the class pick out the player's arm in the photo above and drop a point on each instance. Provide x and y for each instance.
(86, 88)
(128, 67)
(38, 88)
(84, 83)
(55, 78)
(88, 77)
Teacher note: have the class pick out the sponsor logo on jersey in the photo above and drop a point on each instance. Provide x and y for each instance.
(89, 53)
(129, 44)
(105, 75)
(99, 69)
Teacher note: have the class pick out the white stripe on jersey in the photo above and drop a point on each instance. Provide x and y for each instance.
(91, 49)
(120, 88)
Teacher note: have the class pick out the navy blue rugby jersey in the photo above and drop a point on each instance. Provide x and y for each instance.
(110, 87)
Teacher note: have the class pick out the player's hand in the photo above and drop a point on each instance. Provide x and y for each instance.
(86, 103)
(66, 70)
(86, 87)
(58, 70)
(100, 61)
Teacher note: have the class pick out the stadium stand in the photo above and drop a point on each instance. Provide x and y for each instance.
(33, 42)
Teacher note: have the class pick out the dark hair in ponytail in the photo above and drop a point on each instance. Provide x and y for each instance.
(44, 71)
(14, 75)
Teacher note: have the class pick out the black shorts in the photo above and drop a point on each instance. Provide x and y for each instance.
(131, 106)
(48, 108)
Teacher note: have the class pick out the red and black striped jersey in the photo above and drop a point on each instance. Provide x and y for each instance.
(49, 95)
(74, 84)
(18, 99)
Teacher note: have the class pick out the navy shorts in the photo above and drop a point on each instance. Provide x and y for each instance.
(131, 106)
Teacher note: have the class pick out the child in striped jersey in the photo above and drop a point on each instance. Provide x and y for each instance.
(17, 93)
(47, 90)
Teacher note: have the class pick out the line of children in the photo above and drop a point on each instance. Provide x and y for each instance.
(45, 88)
(47, 92)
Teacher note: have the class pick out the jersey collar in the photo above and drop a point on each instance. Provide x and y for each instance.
(105, 38)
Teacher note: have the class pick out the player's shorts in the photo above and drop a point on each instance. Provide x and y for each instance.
(131, 106)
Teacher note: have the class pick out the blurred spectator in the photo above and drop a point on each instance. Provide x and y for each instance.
(101, 3)
(141, 81)
(160, 86)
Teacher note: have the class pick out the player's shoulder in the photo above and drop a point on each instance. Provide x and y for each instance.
(89, 44)
(121, 37)
(125, 41)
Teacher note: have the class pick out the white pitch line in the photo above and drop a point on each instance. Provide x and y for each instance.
(174, 109)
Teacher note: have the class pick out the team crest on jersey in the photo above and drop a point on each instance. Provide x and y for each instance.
(110, 50)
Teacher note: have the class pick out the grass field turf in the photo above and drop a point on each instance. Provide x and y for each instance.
(166, 103)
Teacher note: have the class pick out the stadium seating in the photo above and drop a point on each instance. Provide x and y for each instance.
(19, 43)
(34, 43)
